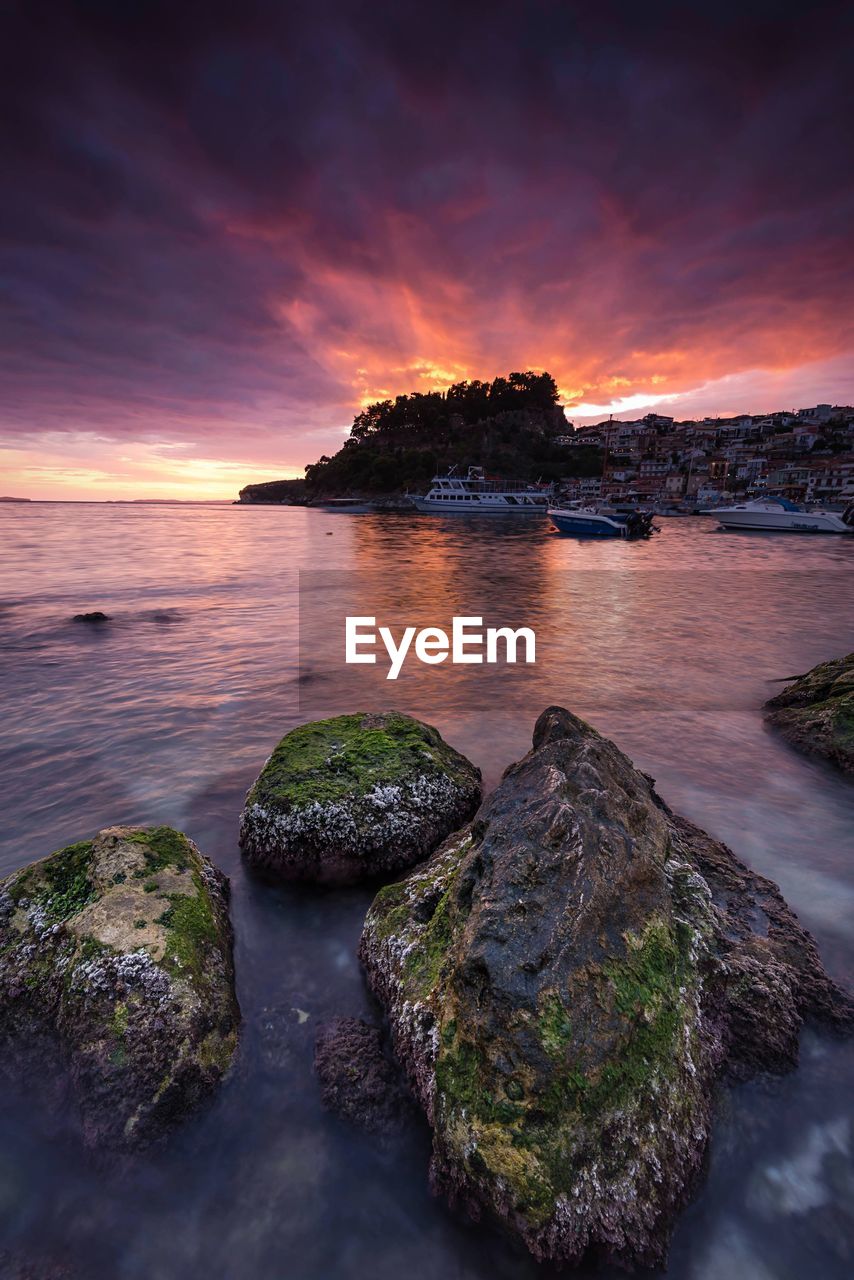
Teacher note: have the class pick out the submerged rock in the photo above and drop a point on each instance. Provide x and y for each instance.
(357, 1080)
(95, 616)
(816, 712)
(566, 978)
(357, 796)
(117, 952)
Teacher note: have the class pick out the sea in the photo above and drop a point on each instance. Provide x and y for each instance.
(226, 629)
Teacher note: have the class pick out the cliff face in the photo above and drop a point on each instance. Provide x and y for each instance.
(565, 979)
(274, 492)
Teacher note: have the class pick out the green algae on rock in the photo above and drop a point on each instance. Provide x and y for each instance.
(116, 956)
(356, 796)
(566, 979)
(816, 712)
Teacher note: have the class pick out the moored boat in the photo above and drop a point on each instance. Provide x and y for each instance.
(779, 515)
(350, 506)
(673, 509)
(596, 522)
(473, 494)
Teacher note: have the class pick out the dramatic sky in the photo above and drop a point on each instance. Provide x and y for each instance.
(224, 226)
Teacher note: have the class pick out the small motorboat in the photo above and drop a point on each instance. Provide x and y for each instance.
(599, 522)
(349, 506)
(779, 515)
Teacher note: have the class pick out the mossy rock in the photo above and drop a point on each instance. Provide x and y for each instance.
(815, 713)
(565, 980)
(118, 951)
(356, 796)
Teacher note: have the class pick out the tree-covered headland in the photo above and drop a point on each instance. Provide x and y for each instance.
(510, 426)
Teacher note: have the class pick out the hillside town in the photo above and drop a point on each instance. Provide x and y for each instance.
(515, 428)
(806, 455)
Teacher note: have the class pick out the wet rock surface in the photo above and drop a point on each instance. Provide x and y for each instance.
(357, 1079)
(116, 963)
(815, 713)
(565, 980)
(357, 796)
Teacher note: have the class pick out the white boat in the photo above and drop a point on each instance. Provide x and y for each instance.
(473, 495)
(782, 516)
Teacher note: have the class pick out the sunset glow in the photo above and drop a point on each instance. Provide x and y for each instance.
(230, 256)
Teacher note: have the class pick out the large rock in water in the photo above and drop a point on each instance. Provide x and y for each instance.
(117, 953)
(816, 712)
(564, 981)
(357, 796)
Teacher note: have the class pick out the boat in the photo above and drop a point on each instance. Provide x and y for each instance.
(625, 503)
(352, 506)
(779, 515)
(599, 522)
(473, 494)
(673, 509)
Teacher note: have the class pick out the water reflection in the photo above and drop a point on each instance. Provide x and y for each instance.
(166, 715)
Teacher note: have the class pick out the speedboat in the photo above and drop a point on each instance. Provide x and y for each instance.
(596, 522)
(781, 515)
(474, 495)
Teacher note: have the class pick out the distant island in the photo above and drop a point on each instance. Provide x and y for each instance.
(515, 427)
(4, 499)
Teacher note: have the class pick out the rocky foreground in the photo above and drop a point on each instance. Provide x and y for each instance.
(357, 796)
(816, 712)
(565, 980)
(116, 962)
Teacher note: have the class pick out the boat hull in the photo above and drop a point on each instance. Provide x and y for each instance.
(784, 522)
(479, 508)
(586, 525)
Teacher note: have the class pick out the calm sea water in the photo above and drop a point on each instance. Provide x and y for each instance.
(167, 714)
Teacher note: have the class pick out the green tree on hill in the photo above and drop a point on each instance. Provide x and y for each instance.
(508, 426)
